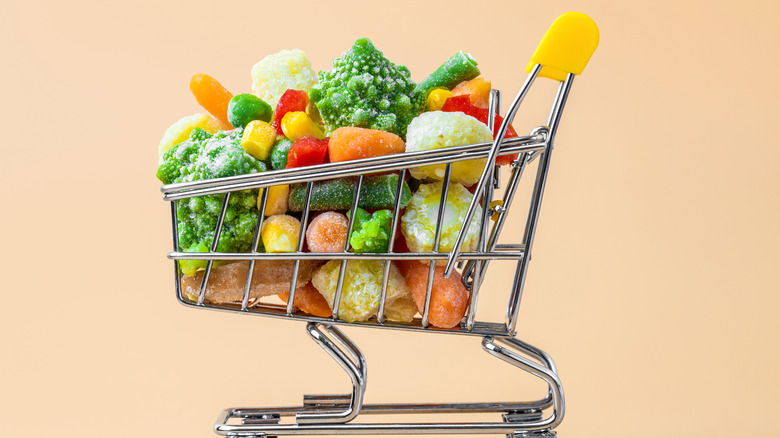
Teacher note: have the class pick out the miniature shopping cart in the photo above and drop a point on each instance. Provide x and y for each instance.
(563, 53)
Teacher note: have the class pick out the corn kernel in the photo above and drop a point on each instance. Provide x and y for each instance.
(493, 205)
(280, 233)
(277, 200)
(436, 99)
(258, 139)
(297, 124)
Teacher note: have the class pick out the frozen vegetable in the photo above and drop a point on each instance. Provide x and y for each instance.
(463, 104)
(180, 131)
(277, 199)
(212, 96)
(418, 224)
(371, 232)
(377, 191)
(291, 100)
(478, 90)
(436, 98)
(297, 125)
(438, 129)
(280, 233)
(307, 151)
(258, 139)
(206, 156)
(449, 298)
(309, 300)
(279, 153)
(366, 90)
(277, 73)
(362, 289)
(243, 108)
(460, 67)
(351, 143)
(327, 232)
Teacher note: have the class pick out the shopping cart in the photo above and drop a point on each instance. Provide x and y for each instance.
(562, 54)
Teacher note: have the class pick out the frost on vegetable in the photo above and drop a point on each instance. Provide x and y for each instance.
(180, 131)
(366, 90)
(437, 129)
(362, 289)
(418, 224)
(206, 156)
(277, 73)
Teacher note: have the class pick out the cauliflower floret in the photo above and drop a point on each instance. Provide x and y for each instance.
(437, 129)
(362, 289)
(275, 74)
(418, 224)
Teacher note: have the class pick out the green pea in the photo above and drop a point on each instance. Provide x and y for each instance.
(243, 108)
(279, 154)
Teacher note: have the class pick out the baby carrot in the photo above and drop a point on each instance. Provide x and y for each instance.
(212, 96)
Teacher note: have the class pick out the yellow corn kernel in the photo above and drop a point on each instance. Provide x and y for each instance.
(258, 139)
(436, 99)
(277, 200)
(280, 233)
(297, 124)
(493, 205)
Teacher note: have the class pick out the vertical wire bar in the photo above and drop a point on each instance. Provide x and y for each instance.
(217, 232)
(536, 202)
(343, 268)
(475, 266)
(255, 241)
(489, 167)
(445, 185)
(175, 227)
(394, 228)
(301, 237)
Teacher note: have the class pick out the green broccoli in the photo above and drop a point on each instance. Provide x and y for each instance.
(371, 233)
(366, 90)
(207, 156)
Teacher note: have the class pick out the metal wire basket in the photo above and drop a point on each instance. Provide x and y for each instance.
(333, 414)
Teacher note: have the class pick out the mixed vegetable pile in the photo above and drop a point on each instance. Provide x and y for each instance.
(366, 106)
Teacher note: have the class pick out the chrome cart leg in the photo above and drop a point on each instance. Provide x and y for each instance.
(544, 368)
(349, 356)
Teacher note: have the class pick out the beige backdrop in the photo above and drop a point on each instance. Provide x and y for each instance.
(654, 282)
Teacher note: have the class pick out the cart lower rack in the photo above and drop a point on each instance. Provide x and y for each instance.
(563, 53)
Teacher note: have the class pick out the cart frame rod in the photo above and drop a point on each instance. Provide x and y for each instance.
(329, 414)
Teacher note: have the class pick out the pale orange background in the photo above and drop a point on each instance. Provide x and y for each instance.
(654, 282)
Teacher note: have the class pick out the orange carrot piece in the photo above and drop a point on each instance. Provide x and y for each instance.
(212, 96)
(449, 298)
(351, 143)
(309, 300)
(478, 90)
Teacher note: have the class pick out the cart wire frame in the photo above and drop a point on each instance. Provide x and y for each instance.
(563, 53)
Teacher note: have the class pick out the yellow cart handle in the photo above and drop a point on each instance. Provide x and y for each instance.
(566, 47)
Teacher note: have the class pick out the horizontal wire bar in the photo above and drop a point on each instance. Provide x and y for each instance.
(502, 255)
(280, 311)
(348, 168)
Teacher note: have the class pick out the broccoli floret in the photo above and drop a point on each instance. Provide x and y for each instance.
(366, 90)
(371, 233)
(207, 156)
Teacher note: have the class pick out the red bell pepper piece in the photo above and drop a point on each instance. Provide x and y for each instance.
(463, 104)
(307, 151)
(291, 100)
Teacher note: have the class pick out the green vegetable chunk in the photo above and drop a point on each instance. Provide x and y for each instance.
(243, 108)
(371, 233)
(460, 67)
(377, 191)
(205, 156)
(279, 154)
(366, 90)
